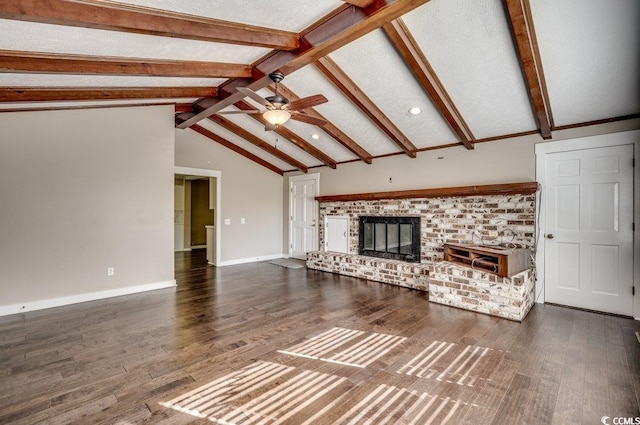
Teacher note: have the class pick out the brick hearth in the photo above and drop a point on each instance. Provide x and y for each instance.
(462, 287)
(394, 272)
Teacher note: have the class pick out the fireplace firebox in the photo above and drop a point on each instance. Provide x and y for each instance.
(396, 238)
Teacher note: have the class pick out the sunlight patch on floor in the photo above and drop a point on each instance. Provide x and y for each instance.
(387, 404)
(265, 393)
(346, 347)
(459, 371)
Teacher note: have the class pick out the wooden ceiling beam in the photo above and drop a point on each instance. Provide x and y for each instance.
(250, 137)
(522, 31)
(325, 36)
(413, 56)
(183, 107)
(229, 145)
(53, 94)
(525, 188)
(18, 61)
(289, 135)
(13, 108)
(119, 17)
(328, 128)
(334, 73)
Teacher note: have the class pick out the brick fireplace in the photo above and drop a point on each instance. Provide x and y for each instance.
(484, 215)
(469, 219)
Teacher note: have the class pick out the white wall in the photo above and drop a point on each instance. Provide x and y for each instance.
(81, 191)
(248, 191)
(496, 162)
(504, 161)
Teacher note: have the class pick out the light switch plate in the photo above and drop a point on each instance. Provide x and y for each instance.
(227, 221)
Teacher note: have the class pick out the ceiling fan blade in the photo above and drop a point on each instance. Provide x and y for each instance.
(307, 102)
(239, 112)
(308, 119)
(255, 96)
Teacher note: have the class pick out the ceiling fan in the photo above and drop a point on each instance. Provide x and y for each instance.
(279, 109)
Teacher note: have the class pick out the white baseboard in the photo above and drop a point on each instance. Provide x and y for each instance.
(73, 299)
(250, 260)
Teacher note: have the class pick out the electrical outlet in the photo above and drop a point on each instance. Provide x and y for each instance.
(242, 221)
(110, 271)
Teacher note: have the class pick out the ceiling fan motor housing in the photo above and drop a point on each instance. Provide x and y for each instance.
(276, 77)
(277, 101)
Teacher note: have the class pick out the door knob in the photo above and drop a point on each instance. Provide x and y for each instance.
(549, 236)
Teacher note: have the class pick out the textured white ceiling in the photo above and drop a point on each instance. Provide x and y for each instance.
(248, 146)
(340, 110)
(36, 37)
(325, 143)
(591, 57)
(63, 80)
(589, 50)
(392, 86)
(288, 15)
(468, 44)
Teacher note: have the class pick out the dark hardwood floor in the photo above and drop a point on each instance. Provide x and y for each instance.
(258, 343)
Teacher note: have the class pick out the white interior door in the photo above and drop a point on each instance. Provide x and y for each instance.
(303, 232)
(336, 234)
(588, 228)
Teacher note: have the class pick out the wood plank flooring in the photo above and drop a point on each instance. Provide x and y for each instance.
(263, 344)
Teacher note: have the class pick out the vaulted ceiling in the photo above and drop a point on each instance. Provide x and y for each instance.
(478, 70)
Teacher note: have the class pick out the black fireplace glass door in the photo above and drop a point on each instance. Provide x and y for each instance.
(381, 237)
(405, 239)
(393, 241)
(368, 236)
(393, 237)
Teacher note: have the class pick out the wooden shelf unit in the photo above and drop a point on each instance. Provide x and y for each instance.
(504, 262)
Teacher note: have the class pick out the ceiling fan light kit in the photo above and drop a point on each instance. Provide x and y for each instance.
(279, 109)
(276, 116)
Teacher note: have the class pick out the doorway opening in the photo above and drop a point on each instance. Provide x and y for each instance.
(197, 211)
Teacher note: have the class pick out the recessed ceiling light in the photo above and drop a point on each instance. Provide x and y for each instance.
(415, 110)
(315, 136)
